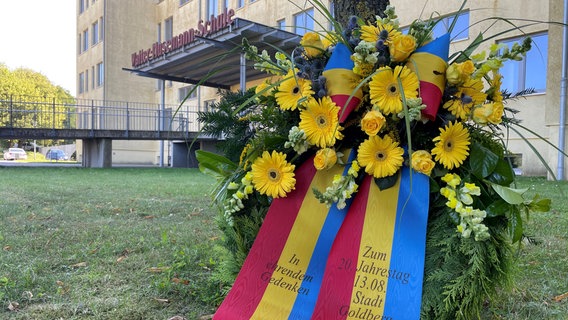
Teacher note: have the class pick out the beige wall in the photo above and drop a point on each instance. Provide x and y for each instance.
(131, 25)
(554, 79)
(538, 111)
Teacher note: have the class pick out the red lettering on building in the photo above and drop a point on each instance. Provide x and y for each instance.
(203, 29)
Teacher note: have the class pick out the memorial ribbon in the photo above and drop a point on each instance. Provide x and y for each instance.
(375, 268)
(341, 81)
(429, 62)
(281, 277)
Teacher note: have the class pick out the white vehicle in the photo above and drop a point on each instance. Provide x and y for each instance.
(15, 154)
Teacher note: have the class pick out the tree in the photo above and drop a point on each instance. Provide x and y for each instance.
(364, 9)
(28, 99)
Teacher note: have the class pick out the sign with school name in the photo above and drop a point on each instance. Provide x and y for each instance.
(203, 29)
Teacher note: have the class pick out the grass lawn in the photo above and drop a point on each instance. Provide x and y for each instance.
(138, 243)
(104, 243)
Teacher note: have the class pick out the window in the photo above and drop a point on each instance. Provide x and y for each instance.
(92, 78)
(95, 32)
(182, 2)
(226, 5)
(240, 3)
(86, 80)
(212, 8)
(208, 105)
(85, 40)
(529, 73)
(81, 82)
(460, 30)
(81, 6)
(169, 29)
(281, 24)
(159, 33)
(184, 91)
(100, 74)
(304, 22)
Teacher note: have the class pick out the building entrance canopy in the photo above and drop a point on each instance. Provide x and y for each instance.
(215, 60)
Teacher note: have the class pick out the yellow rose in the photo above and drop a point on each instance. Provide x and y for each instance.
(422, 162)
(467, 67)
(312, 44)
(373, 122)
(458, 73)
(325, 158)
(488, 113)
(401, 47)
(497, 114)
(453, 74)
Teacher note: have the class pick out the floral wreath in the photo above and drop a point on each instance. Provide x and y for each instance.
(292, 117)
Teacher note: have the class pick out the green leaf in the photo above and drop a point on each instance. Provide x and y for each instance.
(386, 182)
(434, 186)
(498, 208)
(512, 196)
(214, 164)
(539, 205)
(482, 160)
(516, 226)
(503, 173)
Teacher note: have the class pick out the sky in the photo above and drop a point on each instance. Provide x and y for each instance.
(40, 35)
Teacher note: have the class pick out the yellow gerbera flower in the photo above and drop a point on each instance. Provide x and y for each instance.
(496, 85)
(292, 90)
(320, 122)
(371, 33)
(385, 92)
(452, 145)
(272, 175)
(468, 95)
(381, 157)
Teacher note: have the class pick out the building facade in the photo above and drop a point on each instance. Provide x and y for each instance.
(112, 34)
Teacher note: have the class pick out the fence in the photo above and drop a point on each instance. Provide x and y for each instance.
(51, 113)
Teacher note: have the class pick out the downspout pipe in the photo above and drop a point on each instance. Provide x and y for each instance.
(161, 120)
(563, 94)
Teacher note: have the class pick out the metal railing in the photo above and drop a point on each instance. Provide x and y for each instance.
(51, 113)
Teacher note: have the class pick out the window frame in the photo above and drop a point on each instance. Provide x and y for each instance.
(212, 5)
(169, 28)
(183, 91)
(307, 16)
(281, 24)
(95, 36)
(81, 82)
(85, 44)
(456, 34)
(521, 68)
(100, 74)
